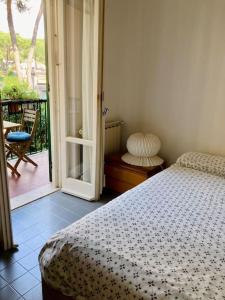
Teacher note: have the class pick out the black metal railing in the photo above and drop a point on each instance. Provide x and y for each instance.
(12, 111)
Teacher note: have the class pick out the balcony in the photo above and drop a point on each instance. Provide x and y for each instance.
(32, 178)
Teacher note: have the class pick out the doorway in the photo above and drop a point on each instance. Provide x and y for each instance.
(23, 85)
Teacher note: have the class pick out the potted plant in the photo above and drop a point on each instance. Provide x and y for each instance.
(15, 89)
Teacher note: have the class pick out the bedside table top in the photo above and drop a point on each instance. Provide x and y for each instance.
(115, 159)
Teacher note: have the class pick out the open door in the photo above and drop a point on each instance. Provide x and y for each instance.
(76, 53)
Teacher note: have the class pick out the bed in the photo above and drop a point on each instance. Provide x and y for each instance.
(164, 239)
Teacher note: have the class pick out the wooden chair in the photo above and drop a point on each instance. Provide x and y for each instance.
(18, 143)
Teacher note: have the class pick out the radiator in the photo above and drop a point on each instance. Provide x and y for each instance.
(112, 136)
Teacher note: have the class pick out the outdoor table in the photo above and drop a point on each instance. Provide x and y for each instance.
(9, 126)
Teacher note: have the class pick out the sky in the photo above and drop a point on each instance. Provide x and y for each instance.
(23, 22)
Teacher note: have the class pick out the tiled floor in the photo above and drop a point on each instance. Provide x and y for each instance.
(31, 177)
(33, 224)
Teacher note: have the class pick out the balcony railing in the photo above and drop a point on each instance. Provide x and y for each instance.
(12, 111)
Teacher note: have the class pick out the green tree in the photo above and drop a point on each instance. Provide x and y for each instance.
(33, 44)
(22, 5)
(5, 51)
(6, 55)
(23, 45)
(40, 51)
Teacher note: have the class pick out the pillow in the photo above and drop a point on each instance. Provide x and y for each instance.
(18, 136)
(212, 164)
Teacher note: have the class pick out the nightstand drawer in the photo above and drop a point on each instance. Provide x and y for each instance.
(124, 175)
(116, 185)
(120, 176)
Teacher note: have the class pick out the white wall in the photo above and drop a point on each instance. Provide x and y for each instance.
(165, 71)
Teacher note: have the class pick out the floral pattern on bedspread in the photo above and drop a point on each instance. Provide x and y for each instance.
(164, 239)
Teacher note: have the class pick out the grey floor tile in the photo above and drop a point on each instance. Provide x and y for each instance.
(20, 215)
(25, 283)
(8, 293)
(34, 294)
(57, 225)
(48, 233)
(12, 272)
(29, 233)
(36, 242)
(20, 252)
(2, 282)
(30, 261)
(65, 214)
(19, 226)
(36, 272)
(5, 262)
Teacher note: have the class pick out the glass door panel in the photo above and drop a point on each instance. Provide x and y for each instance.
(79, 163)
(79, 62)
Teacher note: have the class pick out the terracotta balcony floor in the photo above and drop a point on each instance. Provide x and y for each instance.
(31, 177)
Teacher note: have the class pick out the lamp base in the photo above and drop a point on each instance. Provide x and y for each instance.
(142, 161)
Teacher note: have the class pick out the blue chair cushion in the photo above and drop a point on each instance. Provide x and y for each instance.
(18, 136)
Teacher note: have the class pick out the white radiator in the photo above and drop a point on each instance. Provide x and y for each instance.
(112, 136)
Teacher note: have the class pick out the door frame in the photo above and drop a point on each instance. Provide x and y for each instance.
(52, 55)
(48, 98)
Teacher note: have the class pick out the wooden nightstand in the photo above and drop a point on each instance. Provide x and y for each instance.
(120, 176)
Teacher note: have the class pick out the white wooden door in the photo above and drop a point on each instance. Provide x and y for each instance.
(78, 55)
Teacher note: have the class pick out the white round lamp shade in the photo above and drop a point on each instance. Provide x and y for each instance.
(142, 150)
(144, 145)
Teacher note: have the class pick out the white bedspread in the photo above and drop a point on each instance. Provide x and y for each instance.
(165, 239)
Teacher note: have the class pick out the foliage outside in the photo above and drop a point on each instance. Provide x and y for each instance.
(21, 56)
(12, 87)
(15, 89)
(6, 53)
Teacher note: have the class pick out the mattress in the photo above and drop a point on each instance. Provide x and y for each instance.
(164, 239)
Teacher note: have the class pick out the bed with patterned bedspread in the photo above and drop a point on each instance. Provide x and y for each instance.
(164, 239)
